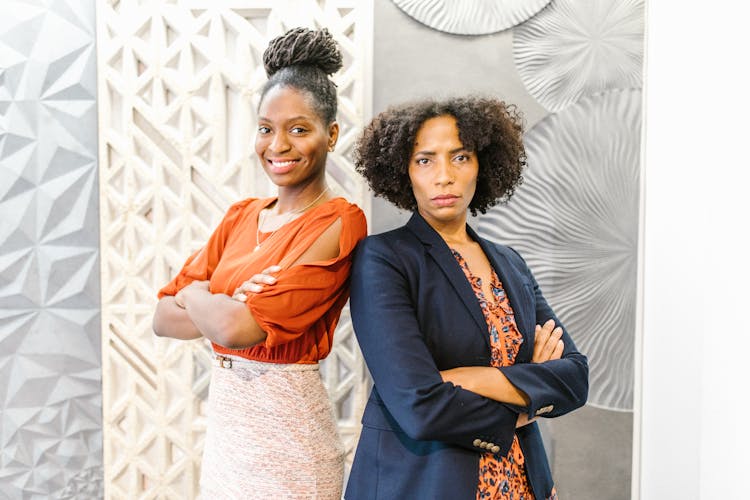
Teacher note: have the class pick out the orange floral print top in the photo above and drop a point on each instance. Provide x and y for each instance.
(500, 477)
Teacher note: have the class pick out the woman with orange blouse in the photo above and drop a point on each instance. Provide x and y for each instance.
(267, 290)
(464, 351)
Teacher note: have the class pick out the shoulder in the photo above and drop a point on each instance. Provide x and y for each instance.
(510, 254)
(349, 212)
(246, 206)
(240, 210)
(394, 246)
(353, 222)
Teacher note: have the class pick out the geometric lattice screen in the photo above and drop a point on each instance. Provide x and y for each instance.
(50, 381)
(178, 90)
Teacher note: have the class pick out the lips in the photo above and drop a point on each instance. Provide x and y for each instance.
(445, 200)
(281, 166)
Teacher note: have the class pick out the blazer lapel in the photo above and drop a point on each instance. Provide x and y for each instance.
(518, 294)
(439, 251)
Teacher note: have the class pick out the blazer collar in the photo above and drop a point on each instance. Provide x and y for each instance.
(512, 280)
(441, 253)
(518, 294)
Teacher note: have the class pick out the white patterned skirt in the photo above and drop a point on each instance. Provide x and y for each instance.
(271, 434)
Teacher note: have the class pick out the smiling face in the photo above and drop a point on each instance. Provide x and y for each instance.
(292, 142)
(443, 173)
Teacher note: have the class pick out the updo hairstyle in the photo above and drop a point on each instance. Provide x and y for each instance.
(304, 59)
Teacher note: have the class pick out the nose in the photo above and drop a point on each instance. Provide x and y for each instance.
(279, 143)
(443, 173)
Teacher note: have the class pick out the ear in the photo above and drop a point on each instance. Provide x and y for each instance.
(333, 135)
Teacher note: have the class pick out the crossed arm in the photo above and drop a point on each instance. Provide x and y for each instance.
(491, 383)
(196, 312)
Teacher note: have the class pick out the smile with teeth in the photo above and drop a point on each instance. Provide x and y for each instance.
(285, 163)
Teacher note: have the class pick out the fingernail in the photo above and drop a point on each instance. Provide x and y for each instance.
(241, 297)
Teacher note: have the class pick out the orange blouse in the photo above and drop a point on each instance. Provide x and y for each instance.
(300, 311)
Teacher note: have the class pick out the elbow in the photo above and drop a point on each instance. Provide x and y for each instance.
(417, 429)
(419, 425)
(233, 333)
(157, 324)
(582, 391)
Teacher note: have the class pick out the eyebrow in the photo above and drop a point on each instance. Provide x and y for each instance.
(292, 119)
(432, 153)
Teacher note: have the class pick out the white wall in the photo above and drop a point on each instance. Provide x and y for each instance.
(694, 439)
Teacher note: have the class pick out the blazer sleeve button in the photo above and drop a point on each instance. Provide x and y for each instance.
(477, 442)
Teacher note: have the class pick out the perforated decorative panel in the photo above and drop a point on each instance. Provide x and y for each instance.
(178, 92)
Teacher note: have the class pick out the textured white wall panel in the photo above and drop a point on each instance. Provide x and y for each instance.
(179, 86)
(575, 219)
(575, 48)
(50, 356)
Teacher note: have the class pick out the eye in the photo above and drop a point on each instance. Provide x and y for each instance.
(461, 158)
(298, 130)
(264, 130)
(422, 161)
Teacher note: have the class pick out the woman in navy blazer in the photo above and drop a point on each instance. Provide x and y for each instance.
(448, 399)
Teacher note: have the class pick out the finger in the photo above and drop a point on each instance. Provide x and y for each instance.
(542, 334)
(557, 353)
(263, 278)
(240, 297)
(549, 325)
(538, 341)
(550, 344)
(272, 269)
(250, 287)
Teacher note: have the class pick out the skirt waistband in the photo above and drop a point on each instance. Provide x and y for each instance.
(228, 361)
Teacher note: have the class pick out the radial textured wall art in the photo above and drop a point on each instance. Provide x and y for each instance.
(50, 355)
(471, 17)
(580, 47)
(575, 220)
(178, 95)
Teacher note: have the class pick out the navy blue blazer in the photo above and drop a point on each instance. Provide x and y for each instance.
(414, 314)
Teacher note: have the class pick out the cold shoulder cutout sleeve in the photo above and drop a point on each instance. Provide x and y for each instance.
(309, 293)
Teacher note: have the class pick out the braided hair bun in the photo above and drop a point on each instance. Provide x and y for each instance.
(303, 47)
(303, 59)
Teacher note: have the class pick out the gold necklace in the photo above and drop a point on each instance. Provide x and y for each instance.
(262, 219)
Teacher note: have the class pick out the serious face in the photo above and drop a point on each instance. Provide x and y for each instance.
(442, 171)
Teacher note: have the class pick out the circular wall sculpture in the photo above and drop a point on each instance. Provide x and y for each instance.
(580, 47)
(471, 17)
(575, 221)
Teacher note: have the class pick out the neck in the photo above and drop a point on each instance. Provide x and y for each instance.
(295, 198)
(453, 232)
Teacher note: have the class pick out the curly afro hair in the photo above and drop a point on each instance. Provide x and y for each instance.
(489, 127)
(303, 59)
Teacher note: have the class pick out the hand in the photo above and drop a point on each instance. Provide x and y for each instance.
(256, 283)
(547, 343)
(523, 419)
